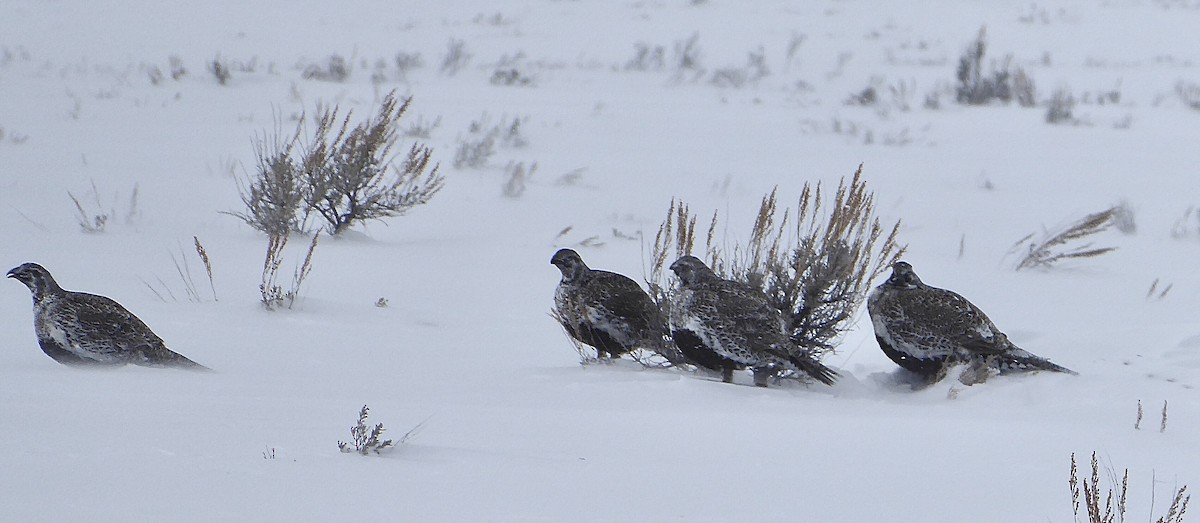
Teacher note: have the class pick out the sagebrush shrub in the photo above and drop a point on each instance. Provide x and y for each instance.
(274, 198)
(815, 262)
(1003, 82)
(350, 172)
(344, 173)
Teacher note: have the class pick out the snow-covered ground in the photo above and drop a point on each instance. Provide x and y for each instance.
(515, 429)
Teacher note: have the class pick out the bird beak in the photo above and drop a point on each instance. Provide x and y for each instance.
(11, 274)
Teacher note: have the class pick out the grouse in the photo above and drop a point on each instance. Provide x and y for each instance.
(924, 329)
(77, 328)
(604, 309)
(732, 325)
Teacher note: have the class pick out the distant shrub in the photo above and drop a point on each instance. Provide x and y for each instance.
(456, 57)
(483, 136)
(349, 171)
(421, 128)
(344, 173)
(177, 69)
(686, 56)
(1189, 94)
(335, 69)
(274, 198)
(517, 178)
(511, 77)
(646, 57)
(1004, 83)
(406, 62)
(220, 70)
(1061, 107)
(752, 71)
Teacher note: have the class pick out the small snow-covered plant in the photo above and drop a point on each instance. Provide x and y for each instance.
(1053, 247)
(815, 262)
(350, 173)
(1110, 507)
(274, 296)
(364, 439)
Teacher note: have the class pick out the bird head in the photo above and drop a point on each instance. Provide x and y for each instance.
(903, 276)
(689, 270)
(36, 277)
(569, 262)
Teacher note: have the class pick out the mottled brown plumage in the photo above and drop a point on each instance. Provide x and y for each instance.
(924, 328)
(604, 309)
(733, 325)
(77, 328)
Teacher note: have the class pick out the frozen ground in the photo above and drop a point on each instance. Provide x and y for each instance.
(516, 429)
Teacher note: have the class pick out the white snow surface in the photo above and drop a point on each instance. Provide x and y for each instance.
(517, 430)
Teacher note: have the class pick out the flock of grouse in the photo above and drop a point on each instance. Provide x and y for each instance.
(714, 323)
(725, 325)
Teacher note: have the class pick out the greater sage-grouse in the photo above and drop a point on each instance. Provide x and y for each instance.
(77, 328)
(735, 326)
(604, 309)
(924, 329)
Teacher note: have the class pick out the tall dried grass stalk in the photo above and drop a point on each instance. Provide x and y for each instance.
(1051, 248)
